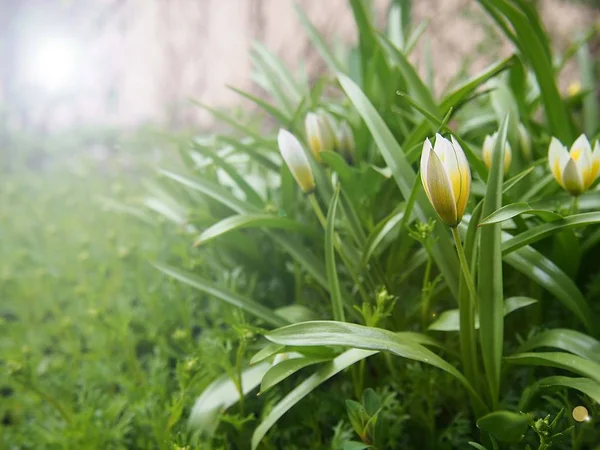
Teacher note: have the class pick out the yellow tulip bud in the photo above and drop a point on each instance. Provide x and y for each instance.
(345, 141)
(489, 144)
(524, 141)
(446, 178)
(296, 160)
(575, 170)
(319, 133)
(574, 88)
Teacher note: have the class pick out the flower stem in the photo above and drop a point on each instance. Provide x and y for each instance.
(464, 265)
(317, 208)
(574, 205)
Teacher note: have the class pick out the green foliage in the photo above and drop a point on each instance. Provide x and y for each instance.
(269, 318)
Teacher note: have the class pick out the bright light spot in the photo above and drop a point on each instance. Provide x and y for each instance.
(580, 414)
(53, 64)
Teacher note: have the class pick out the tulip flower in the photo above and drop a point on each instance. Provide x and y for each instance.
(345, 141)
(296, 160)
(575, 170)
(319, 133)
(489, 144)
(446, 178)
(524, 141)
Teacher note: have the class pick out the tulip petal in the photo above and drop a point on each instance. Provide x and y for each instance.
(488, 145)
(440, 190)
(427, 149)
(595, 163)
(465, 178)
(571, 178)
(557, 159)
(580, 147)
(296, 160)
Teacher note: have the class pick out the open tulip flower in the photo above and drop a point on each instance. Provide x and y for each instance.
(489, 144)
(446, 178)
(575, 170)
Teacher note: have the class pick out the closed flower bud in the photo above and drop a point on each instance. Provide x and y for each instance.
(524, 141)
(345, 142)
(446, 178)
(296, 160)
(319, 133)
(489, 144)
(575, 170)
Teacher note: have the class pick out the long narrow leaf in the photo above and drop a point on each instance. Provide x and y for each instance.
(490, 286)
(341, 362)
(242, 221)
(225, 295)
(560, 360)
(405, 177)
(337, 303)
(568, 340)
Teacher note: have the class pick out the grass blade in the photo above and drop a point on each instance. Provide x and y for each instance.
(242, 221)
(547, 229)
(220, 395)
(586, 386)
(516, 209)
(337, 304)
(208, 287)
(544, 272)
(490, 286)
(405, 177)
(568, 340)
(287, 368)
(368, 338)
(338, 364)
(560, 360)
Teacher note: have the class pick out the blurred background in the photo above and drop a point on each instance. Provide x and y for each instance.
(69, 63)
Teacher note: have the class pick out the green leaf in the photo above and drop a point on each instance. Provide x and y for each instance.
(515, 209)
(533, 45)
(490, 285)
(416, 87)
(589, 387)
(216, 192)
(266, 352)
(318, 41)
(450, 320)
(338, 364)
(477, 446)
(226, 118)
(220, 395)
(296, 313)
(506, 426)
(544, 272)
(287, 368)
(252, 150)
(568, 340)
(337, 304)
(251, 195)
(591, 108)
(381, 230)
(369, 338)
(278, 115)
(405, 177)
(242, 221)
(453, 99)
(548, 229)
(225, 295)
(560, 360)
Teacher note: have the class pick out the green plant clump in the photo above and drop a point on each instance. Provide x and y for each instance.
(371, 267)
